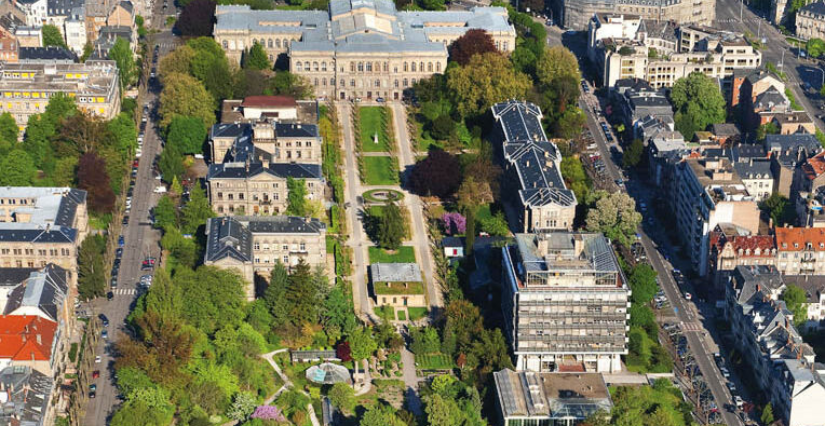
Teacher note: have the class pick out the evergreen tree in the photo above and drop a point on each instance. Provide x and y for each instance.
(255, 58)
(391, 227)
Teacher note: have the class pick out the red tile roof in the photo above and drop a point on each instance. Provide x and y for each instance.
(26, 338)
(747, 243)
(793, 239)
(815, 166)
(269, 102)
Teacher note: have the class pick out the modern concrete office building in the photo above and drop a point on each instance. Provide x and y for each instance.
(565, 302)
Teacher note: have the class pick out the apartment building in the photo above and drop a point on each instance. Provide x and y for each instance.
(532, 165)
(25, 89)
(731, 246)
(645, 55)
(257, 188)
(782, 363)
(800, 251)
(576, 14)
(788, 154)
(707, 192)
(29, 341)
(810, 21)
(757, 177)
(39, 226)
(251, 245)
(565, 302)
(358, 48)
(27, 397)
(529, 398)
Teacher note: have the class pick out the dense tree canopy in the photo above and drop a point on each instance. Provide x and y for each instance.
(815, 47)
(296, 197)
(488, 78)
(698, 103)
(8, 133)
(183, 95)
(187, 134)
(557, 62)
(17, 169)
(196, 18)
(473, 42)
(391, 227)
(796, 299)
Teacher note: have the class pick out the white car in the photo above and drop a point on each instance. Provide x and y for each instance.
(138, 153)
(160, 190)
(688, 296)
(98, 359)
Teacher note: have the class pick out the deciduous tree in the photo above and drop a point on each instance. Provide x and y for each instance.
(296, 198)
(8, 133)
(488, 78)
(187, 133)
(614, 215)
(92, 177)
(698, 103)
(52, 37)
(17, 169)
(342, 396)
(473, 42)
(633, 154)
(795, 299)
(815, 47)
(91, 277)
(195, 213)
(184, 95)
(171, 163)
(437, 175)
(557, 62)
(121, 53)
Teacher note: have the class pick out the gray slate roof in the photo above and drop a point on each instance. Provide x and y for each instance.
(45, 289)
(754, 169)
(237, 170)
(231, 237)
(816, 8)
(336, 30)
(52, 215)
(535, 159)
(28, 396)
(395, 273)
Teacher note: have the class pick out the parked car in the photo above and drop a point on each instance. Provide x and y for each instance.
(110, 296)
(688, 296)
(104, 320)
(118, 253)
(98, 359)
(95, 374)
(104, 335)
(113, 282)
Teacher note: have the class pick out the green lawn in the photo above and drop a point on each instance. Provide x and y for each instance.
(402, 255)
(330, 244)
(384, 311)
(372, 123)
(417, 313)
(402, 316)
(434, 362)
(380, 171)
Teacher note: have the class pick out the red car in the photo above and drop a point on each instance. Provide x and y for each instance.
(135, 163)
(95, 374)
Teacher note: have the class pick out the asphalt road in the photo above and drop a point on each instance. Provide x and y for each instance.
(141, 240)
(685, 311)
(778, 51)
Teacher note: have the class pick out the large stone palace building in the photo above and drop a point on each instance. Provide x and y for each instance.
(358, 48)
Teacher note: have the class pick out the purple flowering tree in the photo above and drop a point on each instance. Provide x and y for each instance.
(454, 223)
(268, 412)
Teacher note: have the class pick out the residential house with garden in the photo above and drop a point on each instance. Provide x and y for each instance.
(565, 302)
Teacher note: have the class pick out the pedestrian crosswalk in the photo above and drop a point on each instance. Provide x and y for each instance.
(691, 326)
(124, 291)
